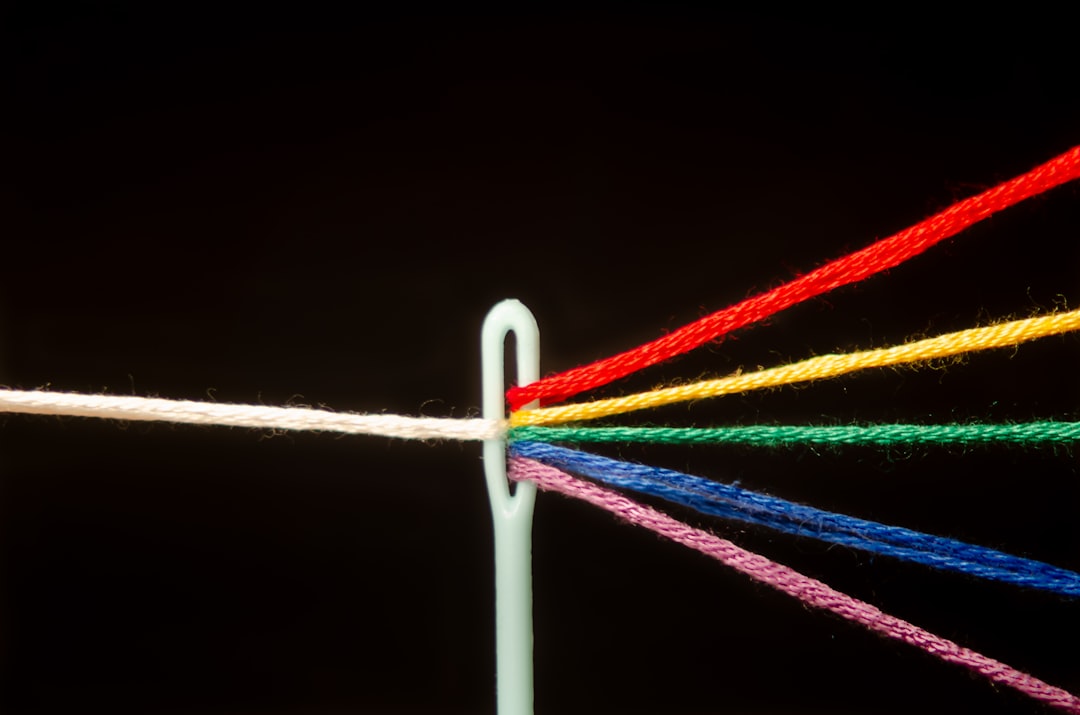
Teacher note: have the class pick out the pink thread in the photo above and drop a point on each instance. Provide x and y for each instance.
(782, 578)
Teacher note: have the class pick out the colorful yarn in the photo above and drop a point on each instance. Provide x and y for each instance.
(730, 502)
(786, 580)
(815, 368)
(120, 407)
(886, 435)
(879, 256)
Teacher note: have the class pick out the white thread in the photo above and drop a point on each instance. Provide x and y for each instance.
(209, 413)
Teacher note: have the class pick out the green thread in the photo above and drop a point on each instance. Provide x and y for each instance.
(1026, 433)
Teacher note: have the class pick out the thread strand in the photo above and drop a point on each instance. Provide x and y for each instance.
(119, 407)
(879, 256)
(816, 368)
(730, 502)
(786, 580)
(880, 435)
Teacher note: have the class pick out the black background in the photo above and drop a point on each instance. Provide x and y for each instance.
(319, 208)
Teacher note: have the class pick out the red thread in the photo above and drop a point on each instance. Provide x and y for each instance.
(884, 254)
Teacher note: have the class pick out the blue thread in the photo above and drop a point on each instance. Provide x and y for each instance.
(731, 502)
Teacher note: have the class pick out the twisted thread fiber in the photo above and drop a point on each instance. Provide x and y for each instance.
(879, 256)
(119, 407)
(815, 368)
(786, 580)
(730, 502)
(1025, 433)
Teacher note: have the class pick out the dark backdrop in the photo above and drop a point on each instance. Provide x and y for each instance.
(306, 208)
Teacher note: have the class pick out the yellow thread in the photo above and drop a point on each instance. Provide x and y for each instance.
(991, 336)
